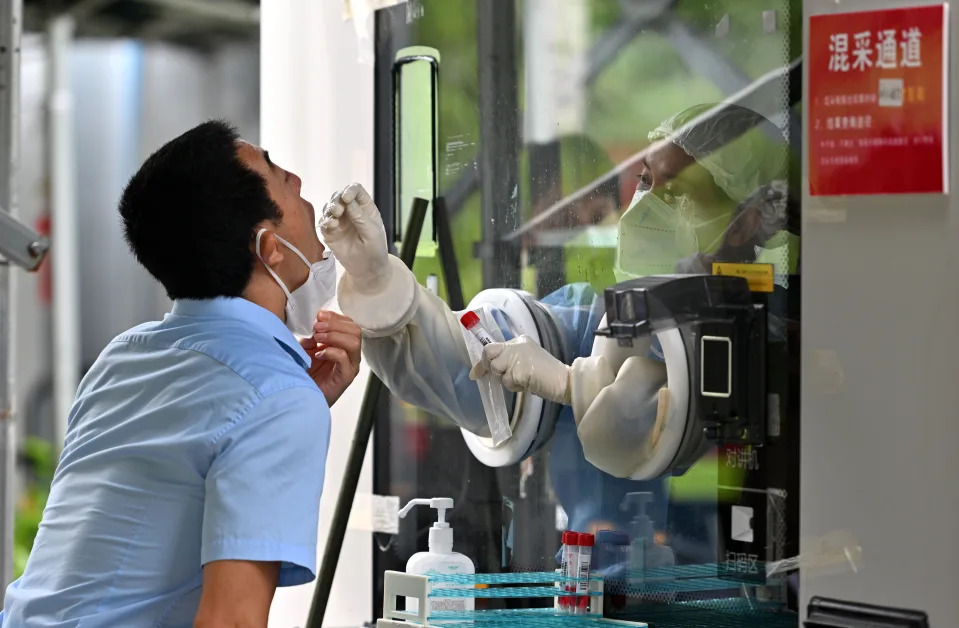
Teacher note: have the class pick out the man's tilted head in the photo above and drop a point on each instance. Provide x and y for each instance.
(190, 211)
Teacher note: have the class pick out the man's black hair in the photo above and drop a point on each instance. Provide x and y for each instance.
(190, 210)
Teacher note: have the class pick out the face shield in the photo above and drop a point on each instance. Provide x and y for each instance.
(713, 190)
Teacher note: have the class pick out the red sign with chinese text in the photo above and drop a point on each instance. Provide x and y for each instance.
(877, 102)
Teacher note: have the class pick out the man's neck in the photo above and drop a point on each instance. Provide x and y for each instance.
(267, 295)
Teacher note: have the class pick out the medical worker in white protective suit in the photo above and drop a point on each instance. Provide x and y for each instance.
(711, 191)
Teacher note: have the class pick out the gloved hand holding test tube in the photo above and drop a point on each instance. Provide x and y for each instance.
(491, 390)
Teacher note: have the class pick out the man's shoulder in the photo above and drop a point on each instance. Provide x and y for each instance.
(259, 359)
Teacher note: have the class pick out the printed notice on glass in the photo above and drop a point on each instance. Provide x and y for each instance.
(878, 101)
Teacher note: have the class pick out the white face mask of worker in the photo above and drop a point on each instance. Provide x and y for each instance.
(654, 236)
(315, 294)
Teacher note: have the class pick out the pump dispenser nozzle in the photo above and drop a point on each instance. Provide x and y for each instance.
(441, 535)
(441, 504)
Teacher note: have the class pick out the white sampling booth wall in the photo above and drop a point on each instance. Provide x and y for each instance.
(317, 121)
(879, 395)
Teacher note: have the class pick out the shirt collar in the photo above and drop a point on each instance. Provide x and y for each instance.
(237, 308)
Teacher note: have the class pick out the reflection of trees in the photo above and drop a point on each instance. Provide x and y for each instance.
(644, 83)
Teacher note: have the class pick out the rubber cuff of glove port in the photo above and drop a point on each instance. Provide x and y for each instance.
(385, 312)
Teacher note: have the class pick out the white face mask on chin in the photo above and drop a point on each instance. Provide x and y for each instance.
(314, 295)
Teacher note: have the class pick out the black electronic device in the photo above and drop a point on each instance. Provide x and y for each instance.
(724, 336)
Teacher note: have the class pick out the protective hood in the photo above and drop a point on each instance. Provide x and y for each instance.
(740, 148)
(745, 154)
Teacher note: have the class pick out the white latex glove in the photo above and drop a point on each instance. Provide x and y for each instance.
(622, 425)
(353, 229)
(525, 366)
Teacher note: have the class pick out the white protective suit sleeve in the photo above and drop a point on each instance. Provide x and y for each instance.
(419, 352)
(382, 313)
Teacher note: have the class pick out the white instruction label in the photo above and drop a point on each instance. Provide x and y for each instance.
(375, 513)
(385, 514)
(583, 575)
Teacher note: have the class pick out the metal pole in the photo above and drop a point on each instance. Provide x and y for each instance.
(65, 227)
(499, 138)
(10, 26)
(448, 263)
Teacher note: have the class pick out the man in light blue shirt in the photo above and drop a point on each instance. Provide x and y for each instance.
(190, 479)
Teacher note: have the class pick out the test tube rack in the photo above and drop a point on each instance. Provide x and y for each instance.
(505, 585)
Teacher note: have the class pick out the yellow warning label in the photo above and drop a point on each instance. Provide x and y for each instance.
(759, 276)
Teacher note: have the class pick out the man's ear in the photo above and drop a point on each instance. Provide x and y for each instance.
(269, 251)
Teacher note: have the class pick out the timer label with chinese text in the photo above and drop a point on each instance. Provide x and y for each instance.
(877, 102)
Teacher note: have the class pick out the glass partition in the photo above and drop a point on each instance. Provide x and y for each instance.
(579, 144)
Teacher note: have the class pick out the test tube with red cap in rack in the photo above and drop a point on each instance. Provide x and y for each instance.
(584, 555)
(568, 556)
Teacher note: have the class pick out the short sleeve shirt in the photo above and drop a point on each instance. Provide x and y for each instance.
(194, 439)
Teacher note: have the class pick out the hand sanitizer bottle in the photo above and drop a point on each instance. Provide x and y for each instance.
(440, 559)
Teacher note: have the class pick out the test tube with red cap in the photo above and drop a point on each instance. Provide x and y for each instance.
(471, 321)
(568, 556)
(584, 555)
(491, 391)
